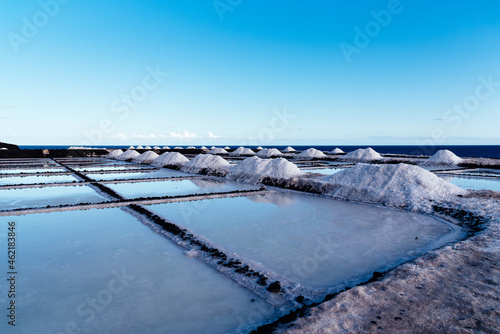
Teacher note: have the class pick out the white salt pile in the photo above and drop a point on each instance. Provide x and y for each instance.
(85, 148)
(311, 153)
(336, 151)
(170, 159)
(147, 147)
(178, 148)
(399, 186)
(128, 154)
(140, 147)
(443, 157)
(191, 148)
(259, 148)
(255, 169)
(217, 150)
(227, 148)
(212, 147)
(156, 148)
(289, 149)
(362, 155)
(269, 153)
(242, 151)
(212, 163)
(131, 148)
(114, 154)
(145, 158)
(166, 148)
(204, 148)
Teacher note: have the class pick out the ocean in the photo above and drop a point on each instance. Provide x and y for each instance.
(465, 151)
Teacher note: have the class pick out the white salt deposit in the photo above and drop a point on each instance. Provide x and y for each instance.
(227, 148)
(362, 155)
(178, 148)
(241, 151)
(85, 148)
(212, 147)
(311, 153)
(156, 148)
(289, 149)
(269, 153)
(399, 185)
(114, 154)
(170, 159)
(217, 150)
(205, 161)
(204, 148)
(166, 148)
(191, 148)
(259, 148)
(128, 154)
(336, 151)
(255, 169)
(131, 148)
(147, 148)
(140, 147)
(443, 157)
(146, 157)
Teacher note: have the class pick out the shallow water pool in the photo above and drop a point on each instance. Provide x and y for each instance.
(41, 197)
(473, 183)
(36, 179)
(175, 188)
(102, 271)
(314, 241)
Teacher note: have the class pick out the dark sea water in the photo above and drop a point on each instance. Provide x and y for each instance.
(465, 151)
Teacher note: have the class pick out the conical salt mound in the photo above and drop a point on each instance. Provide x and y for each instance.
(170, 159)
(311, 153)
(443, 157)
(362, 155)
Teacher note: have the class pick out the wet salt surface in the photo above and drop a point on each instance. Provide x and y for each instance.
(473, 183)
(111, 168)
(176, 188)
(314, 241)
(138, 282)
(164, 172)
(41, 197)
(36, 179)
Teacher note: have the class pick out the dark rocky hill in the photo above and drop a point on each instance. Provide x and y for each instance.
(9, 146)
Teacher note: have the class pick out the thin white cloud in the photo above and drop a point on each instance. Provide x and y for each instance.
(186, 134)
(212, 135)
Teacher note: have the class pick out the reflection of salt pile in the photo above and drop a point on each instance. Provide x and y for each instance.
(443, 157)
(311, 153)
(115, 154)
(128, 154)
(241, 151)
(269, 153)
(336, 151)
(206, 183)
(170, 159)
(255, 170)
(289, 149)
(208, 163)
(393, 185)
(217, 150)
(362, 154)
(280, 199)
(146, 157)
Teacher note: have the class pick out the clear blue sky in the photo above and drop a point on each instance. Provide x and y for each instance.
(233, 66)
